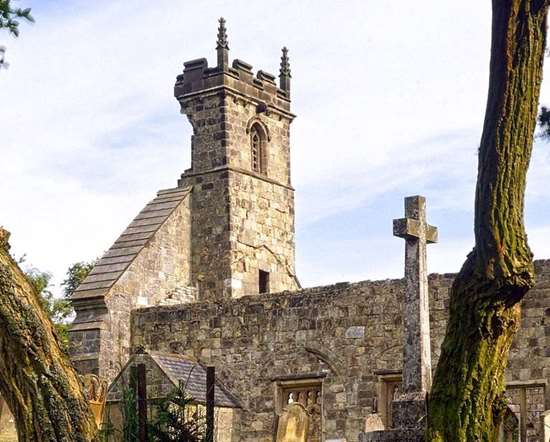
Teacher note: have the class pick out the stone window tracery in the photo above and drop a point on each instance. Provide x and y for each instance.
(307, 392)
(389, 388)
(526, 401)
(258, 157)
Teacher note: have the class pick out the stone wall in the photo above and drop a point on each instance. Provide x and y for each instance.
(100, 339)
(210, 247)
(262, 234)
(347, 335)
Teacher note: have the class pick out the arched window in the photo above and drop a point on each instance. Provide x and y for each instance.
(258, 156)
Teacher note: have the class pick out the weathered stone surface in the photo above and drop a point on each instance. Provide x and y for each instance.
(243, 221)
(155, 272)
(355, 332)
(417, 370)
(254, 340)
(373, 422)
(409, 411)
(399, 435)
(127, 247)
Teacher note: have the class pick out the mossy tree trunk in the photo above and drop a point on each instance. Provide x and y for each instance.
(467, 398)
(37, 381)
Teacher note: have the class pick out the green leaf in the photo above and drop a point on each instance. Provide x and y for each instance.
(7, 14)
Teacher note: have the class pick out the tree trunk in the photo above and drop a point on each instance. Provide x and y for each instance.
(467, 399)
(37, 380)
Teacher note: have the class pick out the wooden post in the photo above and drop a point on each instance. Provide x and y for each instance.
(210, 389)
(142, 403)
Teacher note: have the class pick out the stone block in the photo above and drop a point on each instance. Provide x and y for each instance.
(355, 332)
(406, 435)
(409, 411)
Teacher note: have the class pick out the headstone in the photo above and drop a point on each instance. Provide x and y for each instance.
(373, 422)
(293, 424)
(409, 408)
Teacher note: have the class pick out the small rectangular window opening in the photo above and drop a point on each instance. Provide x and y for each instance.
(263, 282)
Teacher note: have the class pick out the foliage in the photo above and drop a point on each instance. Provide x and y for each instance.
(129, 415)
(9, 16)
(544, 122)
(178, 419)
(57, 309)
(107, 431)
(75, 275)
(128, 409)
(171, 419)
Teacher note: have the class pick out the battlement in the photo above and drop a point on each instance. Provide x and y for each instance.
(198, 78)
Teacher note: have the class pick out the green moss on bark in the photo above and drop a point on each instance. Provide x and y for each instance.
(467, 399)
(38, 383)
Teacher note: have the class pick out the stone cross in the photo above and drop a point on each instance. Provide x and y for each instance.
(417, 367)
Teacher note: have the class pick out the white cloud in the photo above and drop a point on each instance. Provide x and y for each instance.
(389, 96)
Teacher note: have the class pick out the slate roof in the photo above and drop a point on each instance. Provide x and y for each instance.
(175, 368)
(193, 375)
(130, 243)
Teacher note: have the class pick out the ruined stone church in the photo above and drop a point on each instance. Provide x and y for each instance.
(206, 272)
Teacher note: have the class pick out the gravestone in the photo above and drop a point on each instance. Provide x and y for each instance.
(409, 408)
(293, 424)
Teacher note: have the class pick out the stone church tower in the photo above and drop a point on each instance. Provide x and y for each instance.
(242, 211)
(226, 230)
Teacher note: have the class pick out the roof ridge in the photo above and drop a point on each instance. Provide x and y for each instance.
(174, 190)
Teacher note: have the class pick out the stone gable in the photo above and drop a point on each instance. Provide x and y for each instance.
(148, 264)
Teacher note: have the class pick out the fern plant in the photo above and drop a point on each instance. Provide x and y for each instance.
(177, 419)
(129, 415)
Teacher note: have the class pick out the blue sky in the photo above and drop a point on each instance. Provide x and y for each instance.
(390, 98)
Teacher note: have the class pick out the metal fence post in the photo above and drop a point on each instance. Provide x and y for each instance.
(142, 403)
(210, 390)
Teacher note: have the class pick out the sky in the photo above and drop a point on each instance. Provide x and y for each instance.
(389, 96)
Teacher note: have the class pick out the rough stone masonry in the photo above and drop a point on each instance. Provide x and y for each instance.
(409, 408)
(206, 269)
(417, 368)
